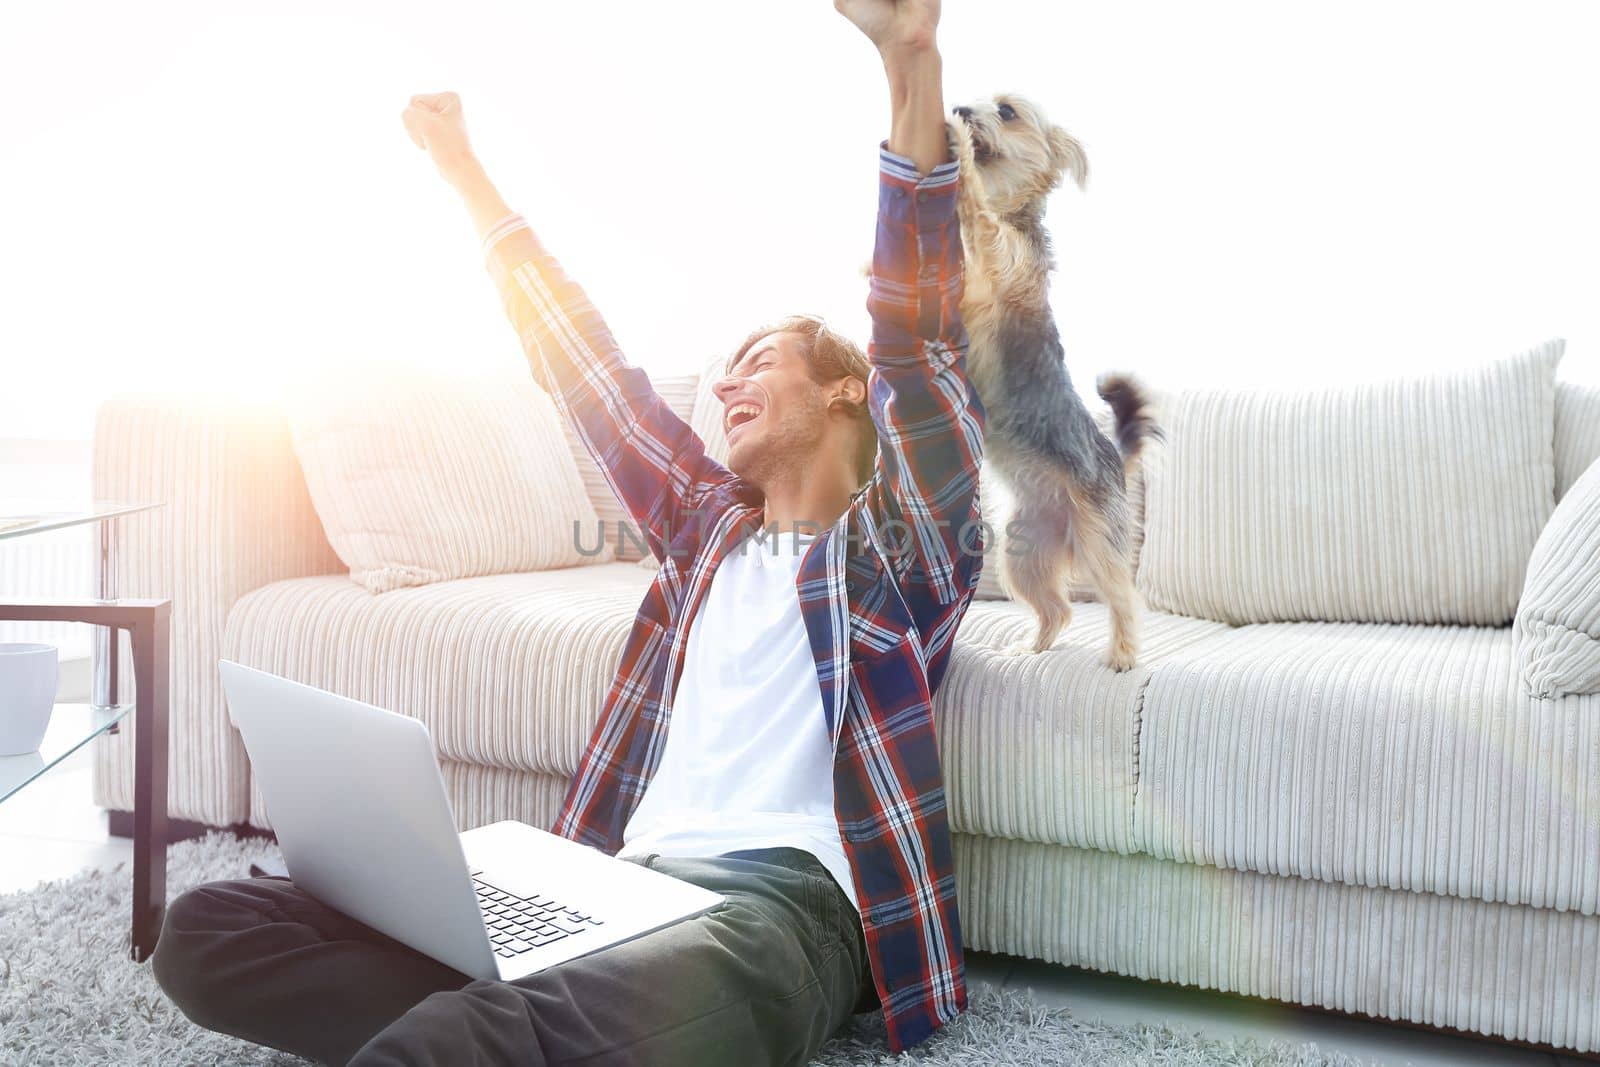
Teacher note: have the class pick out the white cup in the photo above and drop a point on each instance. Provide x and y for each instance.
(27, 695)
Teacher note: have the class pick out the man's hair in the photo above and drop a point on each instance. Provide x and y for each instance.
(831, 355)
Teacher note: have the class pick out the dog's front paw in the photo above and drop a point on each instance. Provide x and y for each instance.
(960, 142)
(1121, 659)
(1030, 646)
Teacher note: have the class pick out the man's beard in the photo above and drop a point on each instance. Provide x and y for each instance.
(784, 448)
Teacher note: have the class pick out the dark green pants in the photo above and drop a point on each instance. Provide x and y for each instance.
(765, 978)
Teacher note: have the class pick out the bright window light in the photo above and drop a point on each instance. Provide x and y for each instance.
(195, 197)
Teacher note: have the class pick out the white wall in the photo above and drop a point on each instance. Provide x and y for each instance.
(1279, 193)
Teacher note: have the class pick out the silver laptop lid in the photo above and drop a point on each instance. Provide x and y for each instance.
(354, 795)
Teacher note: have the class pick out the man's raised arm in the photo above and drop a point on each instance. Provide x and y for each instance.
(904, 32)
(654, 462)
(929, 418)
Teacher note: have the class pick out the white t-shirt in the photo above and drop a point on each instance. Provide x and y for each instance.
(748, 762)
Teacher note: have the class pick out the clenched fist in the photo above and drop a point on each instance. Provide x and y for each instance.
(435, 123)
(893, 25)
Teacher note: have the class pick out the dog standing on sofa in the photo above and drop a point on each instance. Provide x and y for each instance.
(1070, 510)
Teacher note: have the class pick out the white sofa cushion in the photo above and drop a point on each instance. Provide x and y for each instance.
(1410, 500)
(1406, 757)
(420, 478)
(1577, 432)
(1558, 620)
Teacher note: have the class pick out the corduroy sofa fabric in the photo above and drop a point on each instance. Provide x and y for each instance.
(420, 478)
(1400, 756)
(1529, 974)
(1411, 500)
(506, 670)
(1577, 432)
(1557, 628)
(1045, 748)
(235, 517)
(482, 795)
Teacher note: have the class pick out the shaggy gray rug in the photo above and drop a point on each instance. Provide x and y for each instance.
(69, 994)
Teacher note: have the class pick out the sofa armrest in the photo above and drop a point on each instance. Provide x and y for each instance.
(236, 517)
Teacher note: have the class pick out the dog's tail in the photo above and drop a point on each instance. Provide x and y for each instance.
(1134, 412)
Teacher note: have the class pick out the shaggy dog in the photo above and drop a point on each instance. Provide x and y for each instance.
(1070, 512)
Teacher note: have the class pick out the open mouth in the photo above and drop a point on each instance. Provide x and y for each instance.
(738, 415)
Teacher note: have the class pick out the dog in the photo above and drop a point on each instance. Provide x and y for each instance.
(1070, 512)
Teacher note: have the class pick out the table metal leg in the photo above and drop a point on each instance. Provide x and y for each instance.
(150, 667)
(113, 653)
(107, 639)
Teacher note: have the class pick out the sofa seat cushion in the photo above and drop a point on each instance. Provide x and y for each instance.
(506, 670)
(1407, 757)
(1043, 747)
(510, 671)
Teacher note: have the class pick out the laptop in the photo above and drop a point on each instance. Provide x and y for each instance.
(362, 819)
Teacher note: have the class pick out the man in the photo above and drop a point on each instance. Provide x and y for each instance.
(800, 777)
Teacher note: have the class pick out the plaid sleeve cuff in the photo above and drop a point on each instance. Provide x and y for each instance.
(902, 170)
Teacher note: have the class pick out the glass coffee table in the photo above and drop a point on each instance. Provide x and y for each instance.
(74, 725)
(71, 727)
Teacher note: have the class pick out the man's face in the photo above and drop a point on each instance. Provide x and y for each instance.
(775, 416)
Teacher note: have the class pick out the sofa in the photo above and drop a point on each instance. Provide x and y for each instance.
(1329, 780)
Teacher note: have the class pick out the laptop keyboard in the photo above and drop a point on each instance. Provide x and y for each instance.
(520, 924)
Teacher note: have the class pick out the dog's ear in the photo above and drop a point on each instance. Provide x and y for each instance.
(1066, 156)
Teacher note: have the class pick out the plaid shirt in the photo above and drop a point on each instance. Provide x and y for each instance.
(881, 591)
